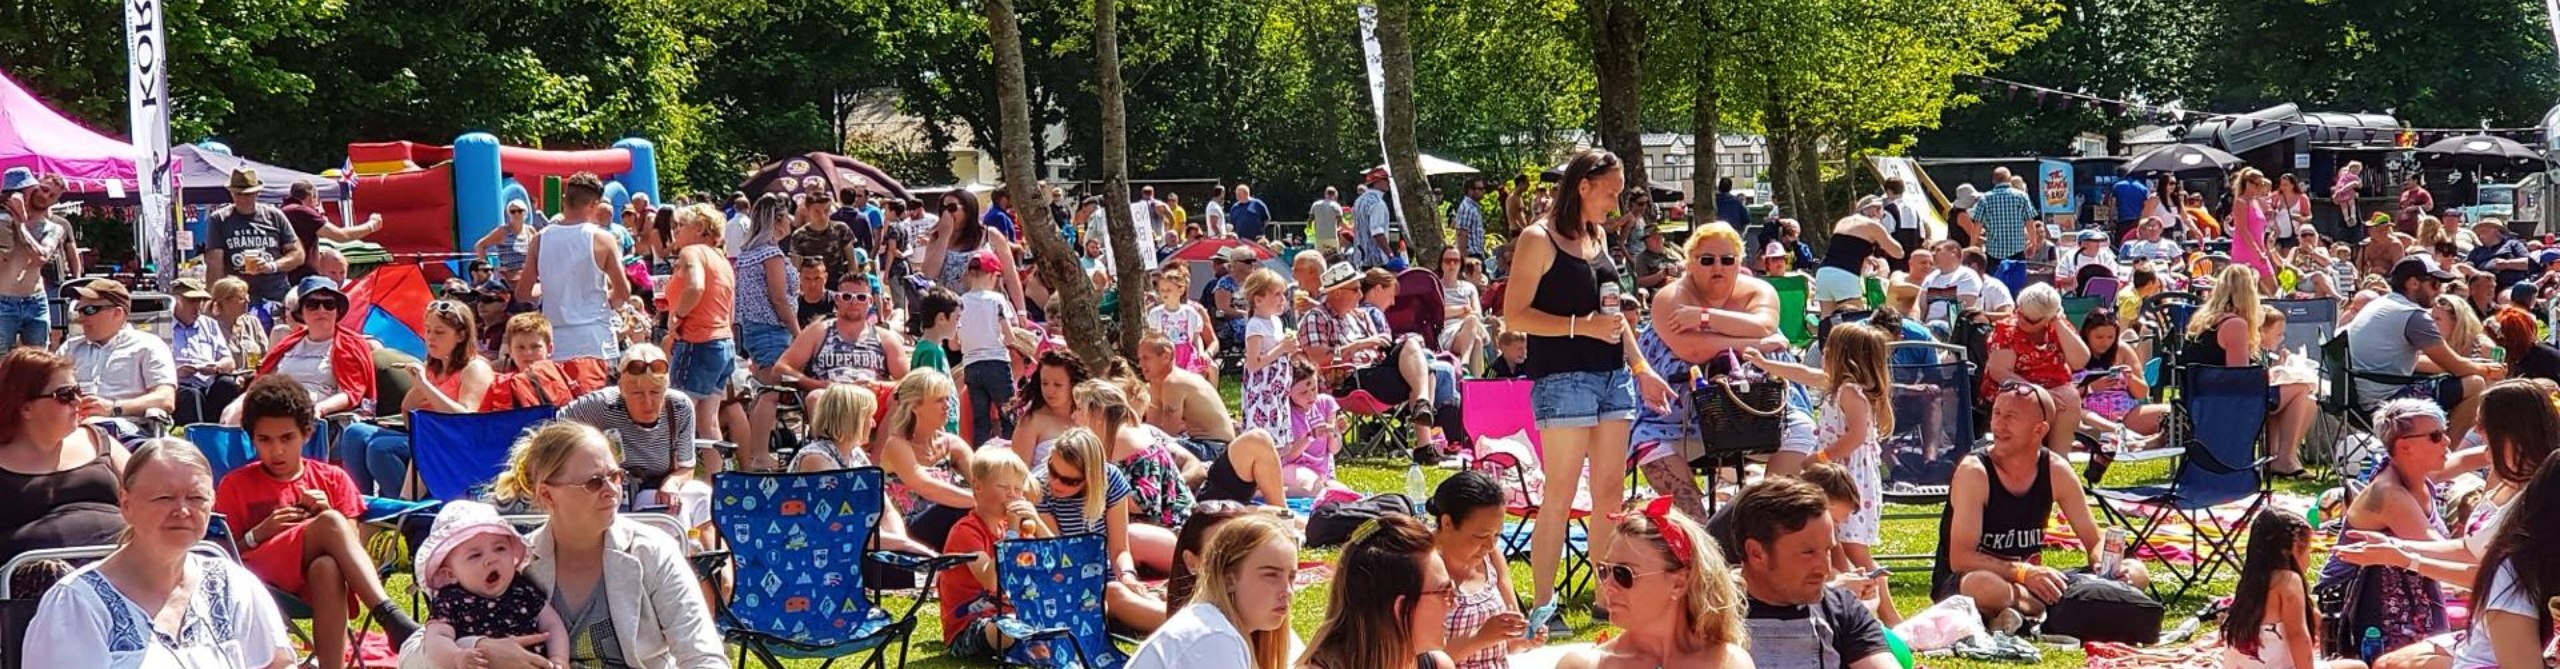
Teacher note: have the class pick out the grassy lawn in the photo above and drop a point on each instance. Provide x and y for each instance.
(1908, 530)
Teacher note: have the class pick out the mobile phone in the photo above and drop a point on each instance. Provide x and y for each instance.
(1880, 571)
(1538, 618)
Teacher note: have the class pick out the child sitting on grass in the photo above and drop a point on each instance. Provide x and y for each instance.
(2271, 624)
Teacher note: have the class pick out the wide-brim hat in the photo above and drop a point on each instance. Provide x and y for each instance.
(244, 181)
(1965, 197)
(17, 179)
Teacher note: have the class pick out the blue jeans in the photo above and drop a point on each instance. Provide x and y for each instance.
(25, 321)
(376, 457)
(702, 369)
(990, 389)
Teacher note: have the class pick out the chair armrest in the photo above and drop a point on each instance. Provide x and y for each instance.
(921, 564)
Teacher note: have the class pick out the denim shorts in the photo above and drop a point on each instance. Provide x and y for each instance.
(1583, 399)
(702, 368)
(25, 321)
(763, 342)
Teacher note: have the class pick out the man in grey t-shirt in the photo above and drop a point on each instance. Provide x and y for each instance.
(2391, 335)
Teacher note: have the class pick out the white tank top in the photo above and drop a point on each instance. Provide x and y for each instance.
(573, 290)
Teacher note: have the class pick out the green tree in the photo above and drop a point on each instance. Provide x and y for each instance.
(2440, 64)
(2116, 49)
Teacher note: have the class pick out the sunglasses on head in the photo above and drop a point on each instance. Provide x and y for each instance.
(70, 394)
(597, 483)
(1622, 575)
(1710, 260)
(644, 367)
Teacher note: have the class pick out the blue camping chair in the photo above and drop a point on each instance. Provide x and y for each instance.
(1933, 428)
(225, 448)
(1056, 585)
(800, 542)
(455, 456)
(2222, 415)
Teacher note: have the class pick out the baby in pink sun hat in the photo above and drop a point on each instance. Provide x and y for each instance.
(472, 566)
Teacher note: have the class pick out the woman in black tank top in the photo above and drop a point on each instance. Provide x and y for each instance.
(1585, 368)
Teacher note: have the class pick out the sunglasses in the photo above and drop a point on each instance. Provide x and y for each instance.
(856, 297)
(652, 367)
(1065, 480)
(71, 394)
(94, 309)
(1622, 575)
(1447, 594)
(597, 483)
(445, 308)
(2438, 435)
(316, 305)
(950, 207)
(1714, 260)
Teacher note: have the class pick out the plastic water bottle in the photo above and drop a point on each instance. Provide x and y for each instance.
(1413, 482)
(2372, 646)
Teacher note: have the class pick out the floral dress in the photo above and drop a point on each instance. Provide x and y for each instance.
(934, 461)
(1266, 390)
(1866, 467)
(1158, 495)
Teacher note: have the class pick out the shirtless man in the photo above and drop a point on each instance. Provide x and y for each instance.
(26, 250)
(1186, 405)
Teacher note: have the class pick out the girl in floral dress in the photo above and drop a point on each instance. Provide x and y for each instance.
(1267, 350)
(1857, 406)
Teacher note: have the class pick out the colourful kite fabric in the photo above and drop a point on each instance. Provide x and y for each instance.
(393, 303)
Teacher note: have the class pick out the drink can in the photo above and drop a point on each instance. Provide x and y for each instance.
(2111, 551)
(1609, 298)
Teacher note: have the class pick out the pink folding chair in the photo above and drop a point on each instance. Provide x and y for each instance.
(1497, 409)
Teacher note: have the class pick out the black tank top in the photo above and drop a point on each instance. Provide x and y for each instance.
(1571, 287)
(2206, 349)
(1848, 253)
(2012, 522)
(72, 507)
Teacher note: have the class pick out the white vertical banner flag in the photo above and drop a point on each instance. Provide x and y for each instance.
(1378, 98)
(147, 87)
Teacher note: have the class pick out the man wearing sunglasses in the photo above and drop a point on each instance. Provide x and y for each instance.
(131, 373)
(1782, 539)
(1991, 539)
(2396, 335)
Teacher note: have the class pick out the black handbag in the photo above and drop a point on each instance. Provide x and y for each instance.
(1739, 409)
(2098, 609)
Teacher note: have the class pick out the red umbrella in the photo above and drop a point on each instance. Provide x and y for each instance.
(1207, 250)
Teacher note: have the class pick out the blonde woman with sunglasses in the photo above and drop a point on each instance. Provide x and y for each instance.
(622, 588)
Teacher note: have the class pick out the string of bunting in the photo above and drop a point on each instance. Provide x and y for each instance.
(2153, 113)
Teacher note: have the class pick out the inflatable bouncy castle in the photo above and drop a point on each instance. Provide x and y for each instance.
(440, 199)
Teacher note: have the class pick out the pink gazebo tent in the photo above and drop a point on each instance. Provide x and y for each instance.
(34, 136)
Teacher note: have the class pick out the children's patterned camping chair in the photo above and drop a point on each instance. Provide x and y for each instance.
(799, 542)
(1056, 588)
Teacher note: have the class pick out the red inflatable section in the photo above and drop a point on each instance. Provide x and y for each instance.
(423, 155)
(529, 164)
(416, 207)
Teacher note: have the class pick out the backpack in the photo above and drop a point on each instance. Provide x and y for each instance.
(2099, 609)
(545, 383)
(1333, 524)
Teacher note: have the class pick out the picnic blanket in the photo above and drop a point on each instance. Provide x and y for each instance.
(2175, 540)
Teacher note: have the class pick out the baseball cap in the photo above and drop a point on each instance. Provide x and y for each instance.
(2420, 266)
(2092, 236)
(985, 261)
(102, 288)
(191, 289)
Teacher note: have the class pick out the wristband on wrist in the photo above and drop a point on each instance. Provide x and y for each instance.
(2018, 572)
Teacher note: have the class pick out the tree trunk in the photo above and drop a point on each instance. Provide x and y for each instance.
(1077, 308)
(1127, 266)
(1706, 115)
(1404, 151)
(1617, 31)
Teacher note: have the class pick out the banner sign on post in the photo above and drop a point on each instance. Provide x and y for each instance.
(147, 87)
(1378, 99)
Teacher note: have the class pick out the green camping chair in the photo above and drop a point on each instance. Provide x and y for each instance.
(2077, 308)
(1795, 293)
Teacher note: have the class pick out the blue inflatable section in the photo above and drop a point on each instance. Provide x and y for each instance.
(477, 187)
